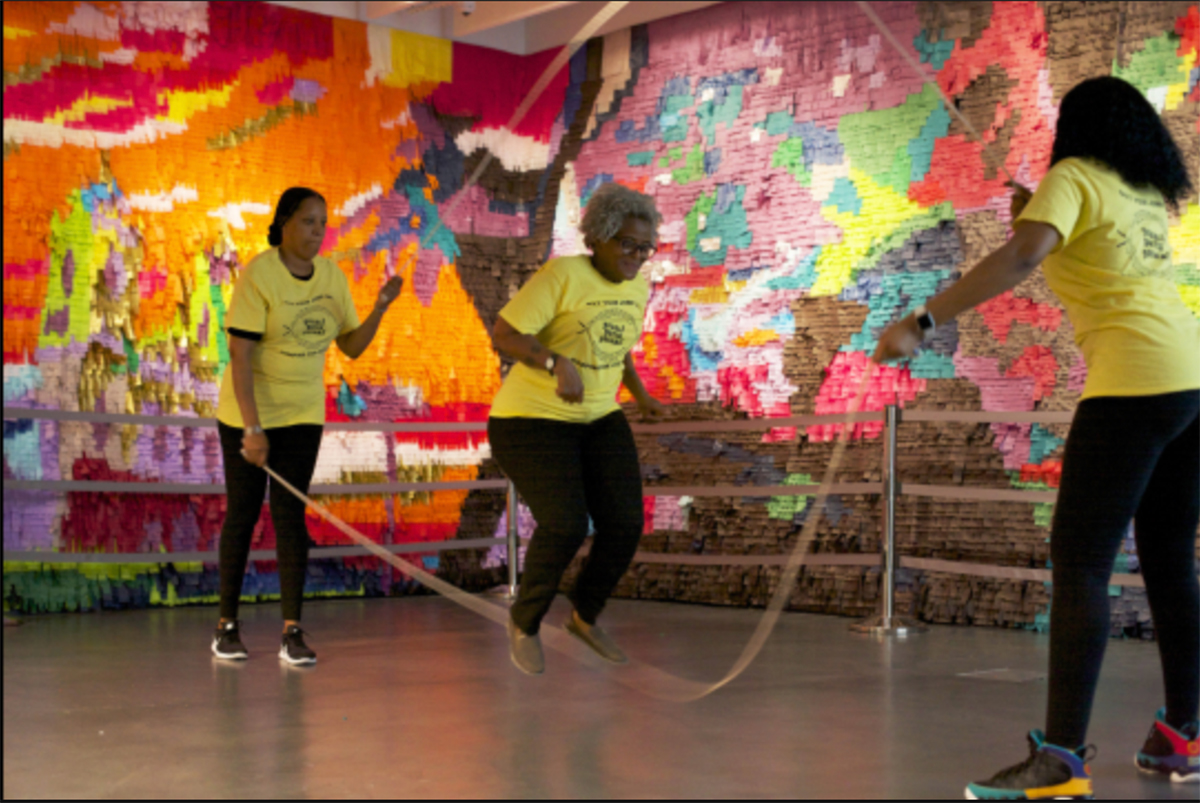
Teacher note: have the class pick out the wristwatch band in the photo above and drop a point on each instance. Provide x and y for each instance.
(254, 430)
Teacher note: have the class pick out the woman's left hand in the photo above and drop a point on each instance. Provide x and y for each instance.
(388, 293)
(651, 407)
(900, 339)
(1020, 199)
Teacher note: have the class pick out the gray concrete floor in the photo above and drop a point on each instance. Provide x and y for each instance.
(415, 698)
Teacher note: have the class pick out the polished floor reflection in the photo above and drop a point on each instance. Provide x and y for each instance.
(415, 698)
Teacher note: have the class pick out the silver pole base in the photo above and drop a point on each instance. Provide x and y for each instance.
(504, 591)
(880, 625)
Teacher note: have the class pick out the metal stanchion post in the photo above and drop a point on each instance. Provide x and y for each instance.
(508, 590)
(887, 623)
(514, 545)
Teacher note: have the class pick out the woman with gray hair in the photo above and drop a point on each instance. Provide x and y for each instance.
(556, 428)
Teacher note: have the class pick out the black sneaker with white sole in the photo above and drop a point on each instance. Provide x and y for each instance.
(227, 642)
(294, 650)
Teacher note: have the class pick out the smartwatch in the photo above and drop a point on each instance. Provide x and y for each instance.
(254, 431)
(551, 362)
(925, 321)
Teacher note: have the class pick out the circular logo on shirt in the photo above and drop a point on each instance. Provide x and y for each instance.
(314, 328)
(1149, 250)
(612, 334)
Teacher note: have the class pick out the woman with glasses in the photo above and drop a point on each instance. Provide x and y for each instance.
(555, 426)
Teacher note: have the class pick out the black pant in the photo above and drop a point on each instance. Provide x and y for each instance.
(293, 455)
(1126, 458)
(566, 472)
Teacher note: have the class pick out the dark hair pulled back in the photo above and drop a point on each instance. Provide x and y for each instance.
(289, 202)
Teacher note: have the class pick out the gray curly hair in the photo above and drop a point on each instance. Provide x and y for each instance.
(608, 209)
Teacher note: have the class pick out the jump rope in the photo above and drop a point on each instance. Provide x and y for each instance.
(636, 675)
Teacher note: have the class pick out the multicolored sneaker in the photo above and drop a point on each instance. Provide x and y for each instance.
(1050, 773)
(1171, 752)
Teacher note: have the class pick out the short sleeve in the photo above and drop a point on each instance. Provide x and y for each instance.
(248, 307)
(350, 320)
(1058, 202)
(534, 306)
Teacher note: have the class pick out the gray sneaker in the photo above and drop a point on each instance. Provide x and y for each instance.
(595, 637)
(525, 650)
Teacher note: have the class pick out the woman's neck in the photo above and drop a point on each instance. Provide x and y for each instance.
(296, 266)
(596, 267)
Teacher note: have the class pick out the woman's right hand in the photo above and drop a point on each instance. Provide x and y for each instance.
(254, 448)
(570, 384)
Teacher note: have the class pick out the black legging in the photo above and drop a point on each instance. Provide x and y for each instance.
(293, 454)
(1138, 458)
(565, 472)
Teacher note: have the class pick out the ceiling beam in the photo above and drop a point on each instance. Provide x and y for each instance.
(375, 9)
(555, 29)
(493, 15)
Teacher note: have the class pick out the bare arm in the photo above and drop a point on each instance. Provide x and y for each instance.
(647, 404)
(254, 445)
(999, 271)
(996, 273)
(633, 382)
(355, 342)
(525, 348)
(528, 350)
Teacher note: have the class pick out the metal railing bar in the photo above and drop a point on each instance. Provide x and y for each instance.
(101, 486)
(36, 556)
(976, 494)
(761, 490)
(1003, 572)
(986, 417)
(753, 424)
(29, 413)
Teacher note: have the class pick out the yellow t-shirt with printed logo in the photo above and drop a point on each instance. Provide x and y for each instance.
(581, 316)
(1113, 273)
(297, 320)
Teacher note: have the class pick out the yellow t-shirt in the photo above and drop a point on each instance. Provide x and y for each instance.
(1113, 273)
(297, 319)
(581, 316)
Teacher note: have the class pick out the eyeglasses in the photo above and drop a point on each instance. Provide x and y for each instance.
(629, 247)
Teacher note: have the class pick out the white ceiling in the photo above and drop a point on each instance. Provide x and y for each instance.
(517, 27)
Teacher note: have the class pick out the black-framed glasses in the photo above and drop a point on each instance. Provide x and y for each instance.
(630, 246)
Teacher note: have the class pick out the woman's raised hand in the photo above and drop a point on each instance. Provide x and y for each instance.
(1020, 198)
(388, 293)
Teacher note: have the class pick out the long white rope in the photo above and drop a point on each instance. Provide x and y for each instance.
(643, 677)
(929, 81)
(560, 61)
